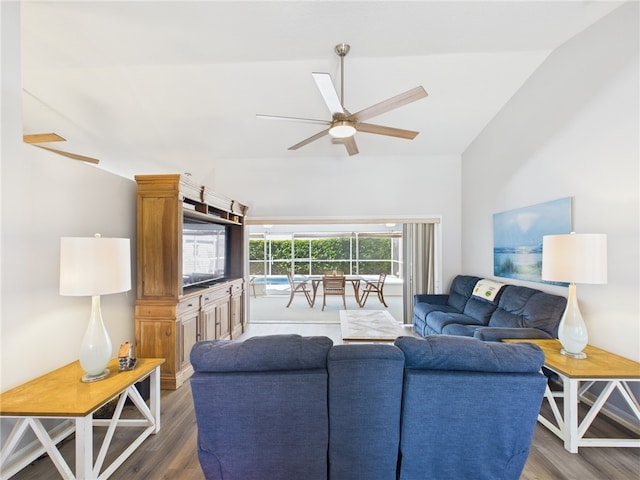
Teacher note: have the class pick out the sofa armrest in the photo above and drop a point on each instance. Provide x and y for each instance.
(495, 334)
(434, 299)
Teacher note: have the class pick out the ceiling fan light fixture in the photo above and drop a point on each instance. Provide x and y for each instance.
(342, 129)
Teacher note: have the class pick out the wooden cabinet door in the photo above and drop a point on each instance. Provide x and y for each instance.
(159, 251)
(223, 317)
(215, 313)
(188, 336)
(237, 308)
(207, 323)
(157, 338)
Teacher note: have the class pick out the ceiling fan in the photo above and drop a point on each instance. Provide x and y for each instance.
(37, 138)
(343, 124)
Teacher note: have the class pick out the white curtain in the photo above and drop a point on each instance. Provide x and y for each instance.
(419, 263)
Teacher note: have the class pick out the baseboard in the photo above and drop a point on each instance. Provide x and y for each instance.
(297, 322)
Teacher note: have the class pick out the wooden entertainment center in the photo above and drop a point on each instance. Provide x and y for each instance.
(171, 318)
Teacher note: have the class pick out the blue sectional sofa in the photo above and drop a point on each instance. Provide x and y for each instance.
(285, 407)
(511, 312)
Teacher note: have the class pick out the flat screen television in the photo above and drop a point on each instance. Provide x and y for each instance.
(204, 251)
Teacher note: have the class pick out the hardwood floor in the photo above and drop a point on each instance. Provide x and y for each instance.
(549, 460)
(171, 454)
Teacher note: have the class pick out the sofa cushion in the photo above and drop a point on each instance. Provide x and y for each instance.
(258, 425)
(444, 352)
(261, 407)
(544, 311)
(436, 321)
(421, 310)
(522, 307)
(496, 334)
(511, 307)
(365, 398)
(460, 291)
(271, 352)
(461, 330)
(467, 425)
(446, 377)
(479, 309)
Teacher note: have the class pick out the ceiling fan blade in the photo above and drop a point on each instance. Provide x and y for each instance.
(310, 139)
(350, 145)
(390, 131)
(293, 119)
(328, 92)
(42, 138)
(390, 104)
(75, 156)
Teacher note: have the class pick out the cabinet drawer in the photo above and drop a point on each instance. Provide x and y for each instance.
(213, 297)
(237, 286)
(187, 305)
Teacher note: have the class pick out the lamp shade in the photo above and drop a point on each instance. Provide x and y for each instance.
(94, 266)
(575, 258)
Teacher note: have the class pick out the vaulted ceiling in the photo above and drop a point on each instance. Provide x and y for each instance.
(162, 86)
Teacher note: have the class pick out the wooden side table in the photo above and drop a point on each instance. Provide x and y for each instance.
(578, 376)
(61, 395)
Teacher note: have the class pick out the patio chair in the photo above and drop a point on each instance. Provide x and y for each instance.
(299, 286)
(374, 287)
(252, 284)
(333, 285)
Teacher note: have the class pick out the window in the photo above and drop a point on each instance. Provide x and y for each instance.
(317, 252)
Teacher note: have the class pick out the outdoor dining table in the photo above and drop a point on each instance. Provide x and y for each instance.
(317, 280)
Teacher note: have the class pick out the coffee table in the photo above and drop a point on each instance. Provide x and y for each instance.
(371, 326)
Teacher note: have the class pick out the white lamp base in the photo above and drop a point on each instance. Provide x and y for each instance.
(95, 349)
(86, 378)
(579, 355)
(572, 331)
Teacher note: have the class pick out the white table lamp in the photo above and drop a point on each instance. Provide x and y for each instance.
(94, 266)
(574, 258)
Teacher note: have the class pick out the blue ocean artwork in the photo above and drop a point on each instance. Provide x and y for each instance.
(517, 237)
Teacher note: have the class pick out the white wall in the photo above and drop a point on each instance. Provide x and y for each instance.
(571, 131)
(44, 197)
(367, 187)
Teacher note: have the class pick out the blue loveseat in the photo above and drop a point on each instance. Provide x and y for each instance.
(285, 407)
(512, 312)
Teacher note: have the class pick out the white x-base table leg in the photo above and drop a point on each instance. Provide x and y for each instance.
(606, 370)
(568, 425)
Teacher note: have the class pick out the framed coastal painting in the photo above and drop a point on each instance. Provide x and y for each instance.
(517, 237)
